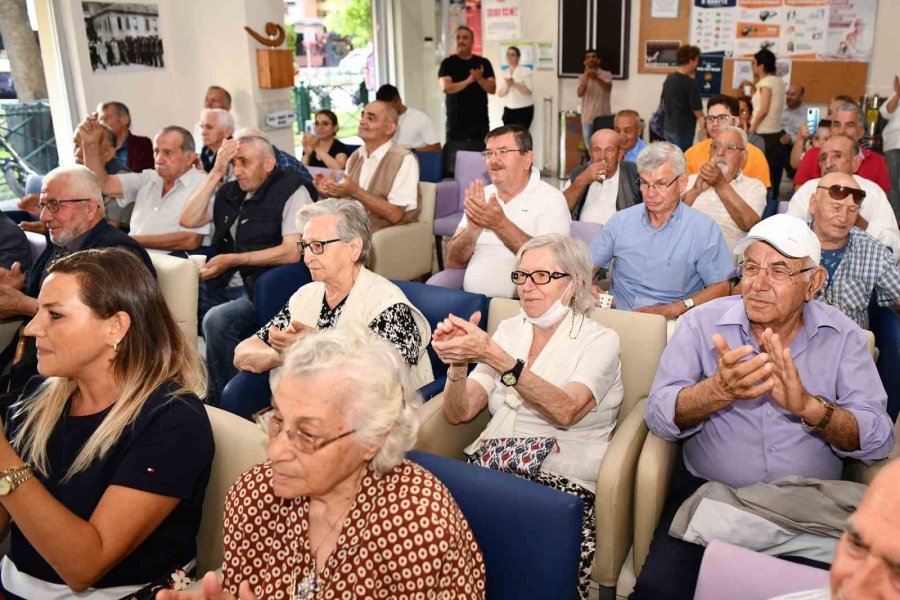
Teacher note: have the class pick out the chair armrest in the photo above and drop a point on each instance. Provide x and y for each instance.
(439, 436)
(654, 474)
(403, 252)
(430, 390)
(448, 278)
(615, 497)
(447, 199)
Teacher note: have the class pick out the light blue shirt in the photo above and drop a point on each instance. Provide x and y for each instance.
(658, 266)
(631, 155)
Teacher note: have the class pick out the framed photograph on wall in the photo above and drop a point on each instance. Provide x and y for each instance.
(123, 37)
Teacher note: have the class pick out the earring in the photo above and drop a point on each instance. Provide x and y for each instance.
(115, 346)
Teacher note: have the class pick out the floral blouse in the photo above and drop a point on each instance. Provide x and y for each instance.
(405, 537)
(395, 324)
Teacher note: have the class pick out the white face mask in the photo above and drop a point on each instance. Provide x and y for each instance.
(553, 314)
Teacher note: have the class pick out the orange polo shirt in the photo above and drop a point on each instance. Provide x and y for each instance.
(756, 165)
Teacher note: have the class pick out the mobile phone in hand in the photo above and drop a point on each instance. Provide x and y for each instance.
(813, 116)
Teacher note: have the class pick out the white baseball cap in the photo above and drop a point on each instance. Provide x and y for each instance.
(789, 235)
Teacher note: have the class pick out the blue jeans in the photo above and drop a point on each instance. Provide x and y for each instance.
(224, 327)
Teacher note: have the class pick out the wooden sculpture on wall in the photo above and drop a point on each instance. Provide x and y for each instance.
(274, 67)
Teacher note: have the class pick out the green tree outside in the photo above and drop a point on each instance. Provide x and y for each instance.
(351, 19)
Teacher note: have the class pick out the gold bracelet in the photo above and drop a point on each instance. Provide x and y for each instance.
(826, 416)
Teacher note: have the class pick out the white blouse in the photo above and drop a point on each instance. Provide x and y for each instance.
(591, 359)
(514, 98)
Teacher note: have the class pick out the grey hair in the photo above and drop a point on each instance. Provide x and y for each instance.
(850, 107)
(187, 139)
(79, 177)
(572, 256)
(262, 145)
(109, 134)
(383, 406)
(657, 154)
(737, 131)
(353, 222)
(224, 120)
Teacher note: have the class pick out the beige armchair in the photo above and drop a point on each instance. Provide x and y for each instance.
(654, 473)
(240, 444)
(404, 252)
(179, 281)
(642, 338)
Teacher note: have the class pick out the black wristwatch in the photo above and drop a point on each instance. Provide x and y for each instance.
(511, 377)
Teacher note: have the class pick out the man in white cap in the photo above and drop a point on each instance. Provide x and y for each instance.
(759, 387)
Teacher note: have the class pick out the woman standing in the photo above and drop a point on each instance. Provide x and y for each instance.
(516, 90)
(321, 149)
(681, 100)
(768, 103)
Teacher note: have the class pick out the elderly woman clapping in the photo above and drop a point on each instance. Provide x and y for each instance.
(550, 377)
(336, 511)
(336, 243)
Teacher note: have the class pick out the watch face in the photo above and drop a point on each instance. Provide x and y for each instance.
(508, 379)
(5, 486)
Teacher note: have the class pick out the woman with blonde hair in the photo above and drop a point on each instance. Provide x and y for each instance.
(106, 456)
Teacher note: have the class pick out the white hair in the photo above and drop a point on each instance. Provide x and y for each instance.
(737, 131)
(352, 222)
(657, 154)
(382, 407)
(572, 256)
(80, 178)
(224, 120)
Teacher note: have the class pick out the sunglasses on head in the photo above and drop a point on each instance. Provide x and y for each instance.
(839, 192)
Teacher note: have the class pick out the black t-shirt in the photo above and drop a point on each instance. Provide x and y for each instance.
(337, 147)
(467, 110)
(681, 96)
(168, 450)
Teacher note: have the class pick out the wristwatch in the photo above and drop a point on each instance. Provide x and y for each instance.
(511, 377)
(826, 416)
(688, 303)
(12, 478)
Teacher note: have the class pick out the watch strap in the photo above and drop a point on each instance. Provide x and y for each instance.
(826, 416)
(515, 373)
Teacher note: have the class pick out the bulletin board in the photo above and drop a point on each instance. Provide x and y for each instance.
(821, 79)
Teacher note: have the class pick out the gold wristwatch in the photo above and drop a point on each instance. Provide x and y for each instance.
(12, 478)
(826, 416)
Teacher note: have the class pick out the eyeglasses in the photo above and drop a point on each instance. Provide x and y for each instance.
(656, 187)
(716, 148)
(720, 118)
(315, 247)
(54, 205)
(538, 277)
(501, 152)
(839, 192)
(273, 426)
(776, 273)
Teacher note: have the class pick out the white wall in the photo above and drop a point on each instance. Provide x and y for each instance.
(885, 56)
(204, 44)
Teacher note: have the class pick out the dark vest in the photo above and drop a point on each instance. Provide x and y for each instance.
(259, 221)
(629, 192)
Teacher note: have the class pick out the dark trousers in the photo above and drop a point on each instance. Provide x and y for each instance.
(774, 158)
(519, 116)
(671, 569)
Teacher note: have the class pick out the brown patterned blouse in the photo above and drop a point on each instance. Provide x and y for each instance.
(405, 537)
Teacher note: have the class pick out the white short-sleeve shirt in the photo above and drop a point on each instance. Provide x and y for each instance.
(600, 203)
(154, 213)
(538, 209)
(405, 190)
(593, 361)
(514, 98)
(875, 209)
(751, 190)
(415, 130)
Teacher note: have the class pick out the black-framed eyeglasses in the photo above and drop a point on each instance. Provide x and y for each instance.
(54, 205)
(317, 247)
(839, 192)
(656, 187)
(273, 426)
(538, 277)
(501, 152)
(776, 273)
(720, 118)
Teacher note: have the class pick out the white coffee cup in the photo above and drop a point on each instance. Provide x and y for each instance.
(604, 300)
(748, 90)
(197, 259)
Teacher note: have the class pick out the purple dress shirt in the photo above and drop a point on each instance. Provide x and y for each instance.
(756, 440)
